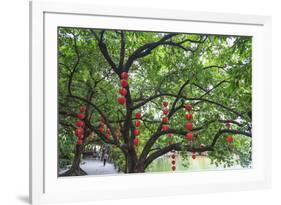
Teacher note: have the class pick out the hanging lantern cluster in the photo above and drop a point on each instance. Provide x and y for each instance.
(229, 138)
(107, 135)
(123, 91)
(104, 129)
(173, 161)
(136, 131)
(188, 124)
(165, 119)
(79, 131)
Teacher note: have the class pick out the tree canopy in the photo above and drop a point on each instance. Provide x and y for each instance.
(212, 73)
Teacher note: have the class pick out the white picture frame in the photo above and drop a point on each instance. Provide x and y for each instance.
(46, 187)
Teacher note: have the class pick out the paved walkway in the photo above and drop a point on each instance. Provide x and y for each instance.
(95, 167)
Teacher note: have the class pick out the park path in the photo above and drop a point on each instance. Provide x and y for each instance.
(95, 167)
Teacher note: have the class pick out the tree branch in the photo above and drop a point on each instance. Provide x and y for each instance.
(122, 50)
(146, 49)
(220, 132)
(75, 67)
(104, 50)
(179, 147)
(173, 147)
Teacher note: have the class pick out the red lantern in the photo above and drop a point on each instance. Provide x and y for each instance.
(107, 136)
(188, 107)
(165, 103)
(122, 100)
(188, 116)
(136, 132)
(229, 139)
(173, 162)
(173, 168)
(136, 141)
(79, 142)
(137, 123)
(189, 136)
(138, 115)
(80, 124)
(165, 120)
(81, 137)
(165, 127)
(123, 91)
(102, 130)
(165, 111)
(79, 131)
(124, 83)
(108, 131)
(173, 156)
(82, 108)
(188, 126)
(193, 156)
(80, 116)
(124, 75)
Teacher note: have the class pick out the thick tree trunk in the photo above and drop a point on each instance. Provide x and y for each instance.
(75, 169)
(133, 165)
(139, 168)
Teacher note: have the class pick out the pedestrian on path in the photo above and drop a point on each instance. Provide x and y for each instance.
(105, 157)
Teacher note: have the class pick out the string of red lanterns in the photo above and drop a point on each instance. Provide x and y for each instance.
(173, 160)
(79, 131)
(165, 119)
(189, 126)
(123, 91)
(104, 129)
(107, 134)
(101, 125)
(136, 131)
(166, 127)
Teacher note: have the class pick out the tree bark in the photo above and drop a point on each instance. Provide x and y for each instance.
(133, 165)
(75, 169)
(140, 167)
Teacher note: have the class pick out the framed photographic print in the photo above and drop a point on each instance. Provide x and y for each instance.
(130, 102)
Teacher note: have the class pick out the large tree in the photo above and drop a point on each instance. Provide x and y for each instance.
(210, 72)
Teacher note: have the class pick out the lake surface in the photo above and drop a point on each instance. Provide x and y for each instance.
(201, 163)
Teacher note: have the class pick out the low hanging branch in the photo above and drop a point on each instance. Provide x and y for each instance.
(179, 147)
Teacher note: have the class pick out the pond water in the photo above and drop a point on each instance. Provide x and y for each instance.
(201, 163)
